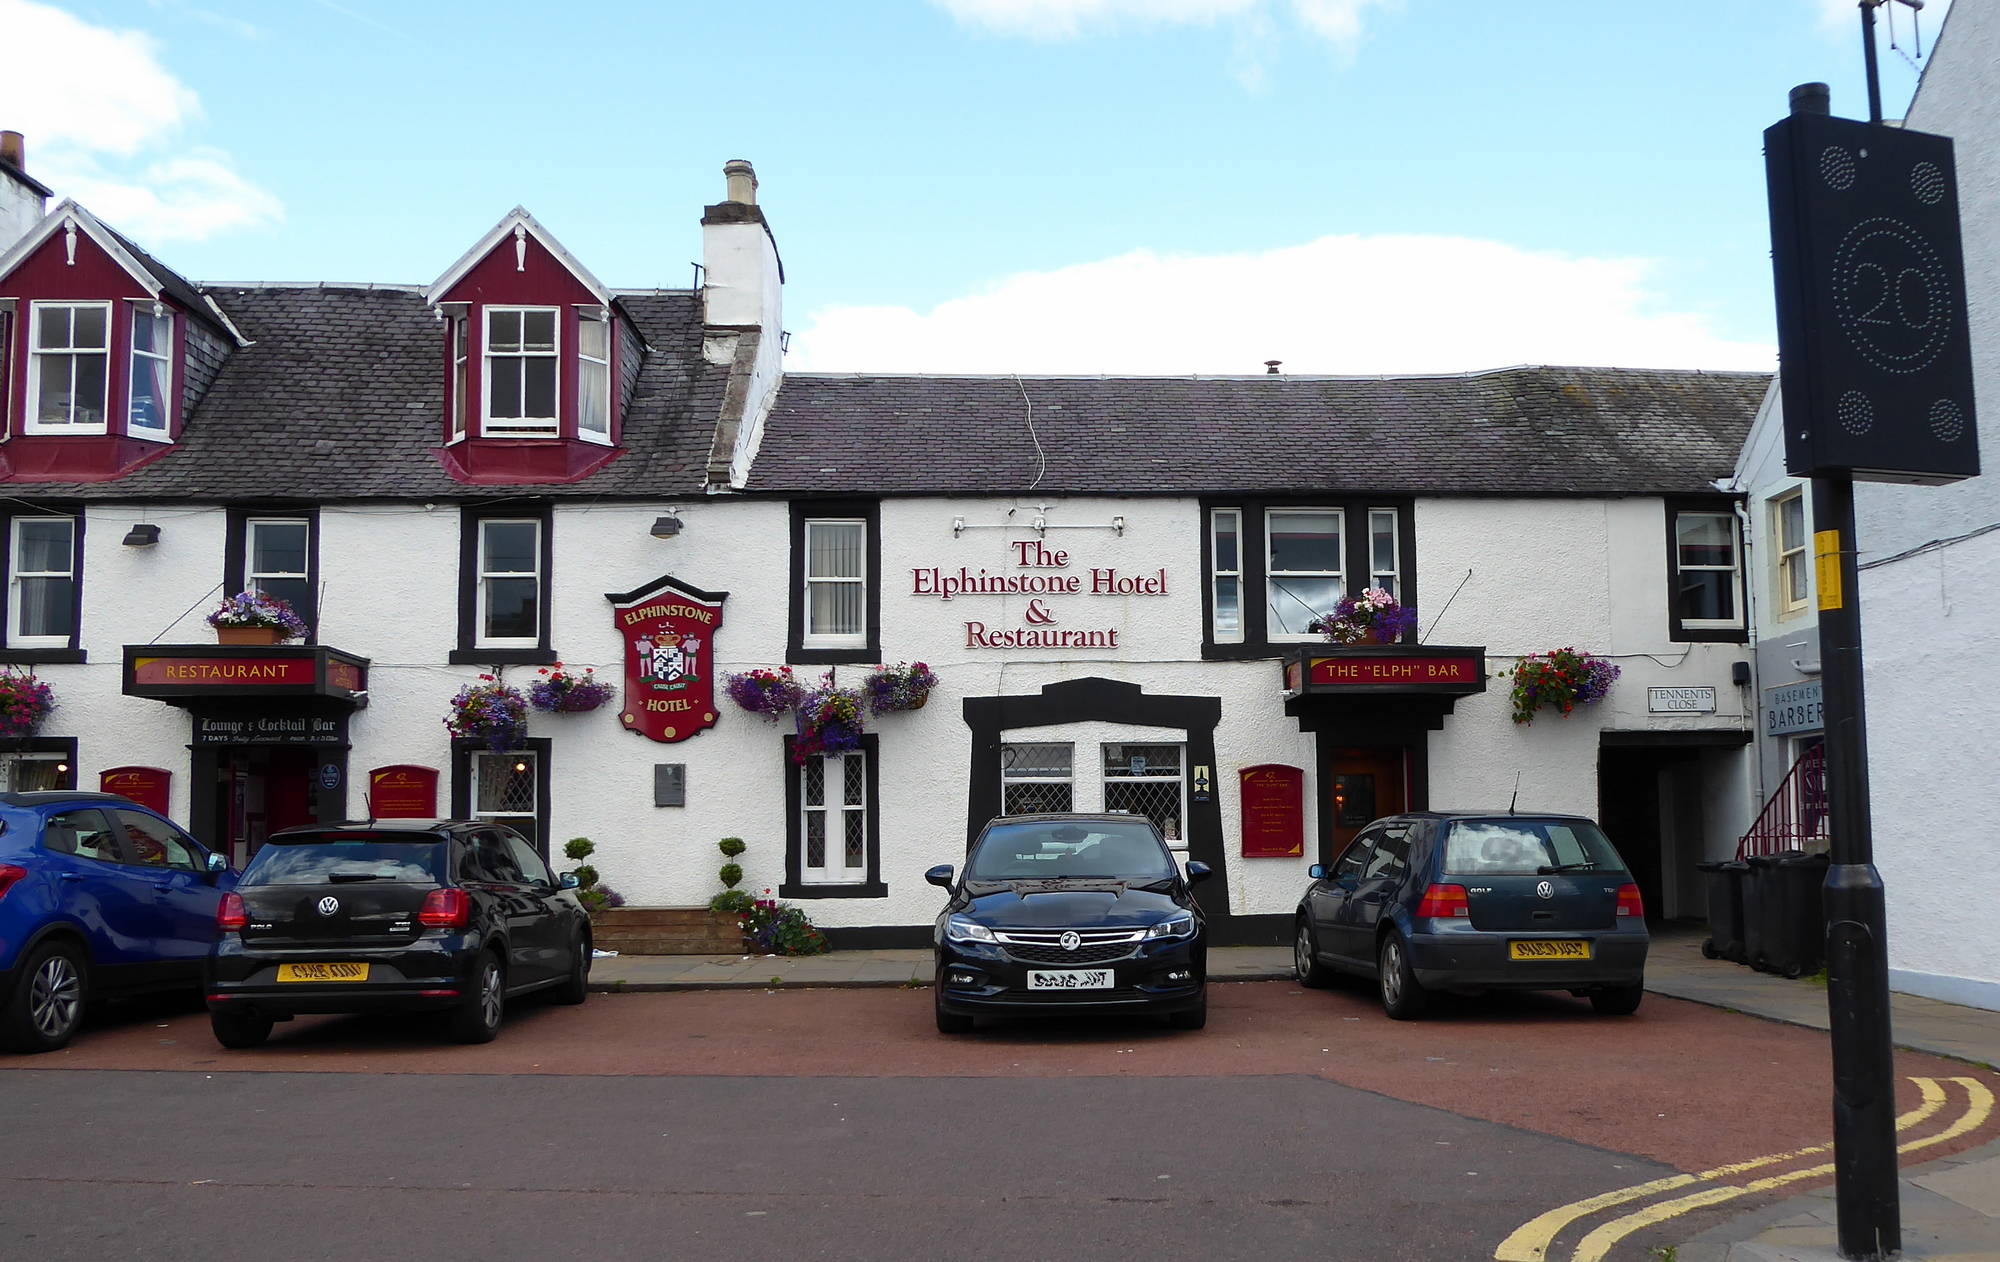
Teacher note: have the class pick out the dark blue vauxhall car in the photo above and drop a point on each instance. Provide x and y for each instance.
(1467, 901)
(98, 897)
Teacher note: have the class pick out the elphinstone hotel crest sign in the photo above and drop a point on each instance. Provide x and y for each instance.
(668, 630)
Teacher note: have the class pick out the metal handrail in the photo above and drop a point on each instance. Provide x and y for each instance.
(1795, 817)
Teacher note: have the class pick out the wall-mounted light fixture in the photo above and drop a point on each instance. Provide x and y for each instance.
(143, 535)
(668, 526)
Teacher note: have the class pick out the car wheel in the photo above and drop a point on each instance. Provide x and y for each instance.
(1305, 959)
(1190, 1018)
(950, 1022)
(1403, 997)
(239, 1027)
(47, 1006)
(477, 1017)
(575, 987)
(1617, 1001)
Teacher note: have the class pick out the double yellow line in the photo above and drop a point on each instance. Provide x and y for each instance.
(1533, 1240)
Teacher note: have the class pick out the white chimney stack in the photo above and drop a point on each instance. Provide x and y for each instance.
(23, 200)
(742, 305)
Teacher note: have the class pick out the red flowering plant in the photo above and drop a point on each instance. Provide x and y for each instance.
(489, 711)
(828, 721)
(25, 702)
(766, 692)
(563, 690)
(1561, 679)
(774, 928)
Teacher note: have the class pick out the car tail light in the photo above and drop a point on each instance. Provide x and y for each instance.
(1443, 902)
(446, 909)
(9, 874)
(1629, 902)
(231, 914)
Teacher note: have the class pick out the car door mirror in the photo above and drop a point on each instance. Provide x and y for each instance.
(1317, 872)
(568, 881)
(940, 876)
(1197, 872)
(215, 865)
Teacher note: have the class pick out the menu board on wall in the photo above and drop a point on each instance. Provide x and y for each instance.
(147, 786)
(1274, 811)
(403, 792)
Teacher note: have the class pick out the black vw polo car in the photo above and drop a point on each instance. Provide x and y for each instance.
(456, 916)
(1070, 914)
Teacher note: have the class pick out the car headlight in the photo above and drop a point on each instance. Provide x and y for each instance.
(1179, 926)
(965, 929)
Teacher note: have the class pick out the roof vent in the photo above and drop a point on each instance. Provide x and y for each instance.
(1271, 367)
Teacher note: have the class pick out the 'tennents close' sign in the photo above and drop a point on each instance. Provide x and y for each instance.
(1040, 572)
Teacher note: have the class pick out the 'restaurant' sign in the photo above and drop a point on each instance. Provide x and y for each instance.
(224, 672)
(182, 673)
(668, 630)
(1274, 811)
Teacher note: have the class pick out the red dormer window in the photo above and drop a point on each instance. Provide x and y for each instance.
(523, 365)
(69, 359)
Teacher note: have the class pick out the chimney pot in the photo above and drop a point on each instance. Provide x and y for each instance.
(14, 150)
(741, 182)
(1812, 98)
(1271, 366)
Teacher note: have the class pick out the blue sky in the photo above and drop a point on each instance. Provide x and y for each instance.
(1350, 186)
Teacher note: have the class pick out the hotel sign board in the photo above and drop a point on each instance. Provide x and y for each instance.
(668, 630)
(178, 673)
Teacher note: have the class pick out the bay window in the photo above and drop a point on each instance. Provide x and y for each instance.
(521, 357)
(69, 354)
(593, 375)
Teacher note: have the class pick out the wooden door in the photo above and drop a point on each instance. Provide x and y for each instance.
(1365, 785)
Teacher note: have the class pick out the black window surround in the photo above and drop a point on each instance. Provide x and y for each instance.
(794, 885)
(1738, 632)
(236, 546)
(64, 747)
(869, 512)
(468, 652)
(39, 655)
(461, 784)
(1252, 559)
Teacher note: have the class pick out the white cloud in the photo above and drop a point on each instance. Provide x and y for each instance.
(1340, 304)
(1336, 21)
(105, 121)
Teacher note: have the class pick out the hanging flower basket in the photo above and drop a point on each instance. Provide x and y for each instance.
(1561, 679)
(828, 721)
(1373, 617)
(904, 686)
(769, 693)
(251, 617)
(561, 691)
(491, 712)
(25, 702)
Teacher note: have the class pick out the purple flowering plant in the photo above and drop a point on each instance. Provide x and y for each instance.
(255, 609)
(25, 702)
(1561, 679)
(562, 690)
(1374, 616)
(904, 686)
(774, 928)
(766, 692)
(828, 721)
(489, 711)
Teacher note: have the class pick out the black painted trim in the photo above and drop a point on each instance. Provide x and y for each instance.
(468, 653)
(63, 745)
(42, 657)
(1253, 557)
(27, 656)
(1711, 739)
(236, 560)
(870, 512)
(461, 783)
(1676, 631)
(794, 885)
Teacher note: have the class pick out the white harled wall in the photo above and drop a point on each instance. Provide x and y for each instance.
(1587, 573)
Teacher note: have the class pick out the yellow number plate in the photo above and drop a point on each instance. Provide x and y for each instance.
(322, 972)
(1547, 949)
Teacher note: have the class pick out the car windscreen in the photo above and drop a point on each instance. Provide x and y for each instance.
(335, 858)
(1525, 847)
(1063, 849)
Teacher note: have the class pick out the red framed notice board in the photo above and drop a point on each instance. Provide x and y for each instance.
(145, 785)
(1273, 800)
(403, 792)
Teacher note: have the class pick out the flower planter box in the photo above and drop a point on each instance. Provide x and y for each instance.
(249, 635)
(666, 931)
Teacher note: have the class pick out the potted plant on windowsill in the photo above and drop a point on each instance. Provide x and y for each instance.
(1373, 617)
(1561, 679)
(562, 691)
(491, 712)
(251, 617)
(904, 686)
(25, 702)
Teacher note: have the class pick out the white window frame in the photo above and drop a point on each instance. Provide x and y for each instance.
(1068, 778)
(520, 426)
(17, 574)
(1272, 574)
(833, 784)
(810, 638)
(1178, 842)
(252, 575)
(480, 638)
(1734, 569)
(162, 432)
(1791, 557)
(1395, 571)
(32, 422)
(1217, 575)
(511, 819)
(588, 365)
(461, 374)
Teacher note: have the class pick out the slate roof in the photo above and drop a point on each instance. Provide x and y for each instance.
(341, 395)
(1529, 431)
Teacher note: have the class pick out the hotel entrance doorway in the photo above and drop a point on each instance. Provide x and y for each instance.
(1363, 785)
(261, 789)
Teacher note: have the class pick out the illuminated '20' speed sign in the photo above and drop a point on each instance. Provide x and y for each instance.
(1874, 359)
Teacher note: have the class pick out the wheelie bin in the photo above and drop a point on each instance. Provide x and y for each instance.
(1756, 918)
(1723, 879)
(1800, 885)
